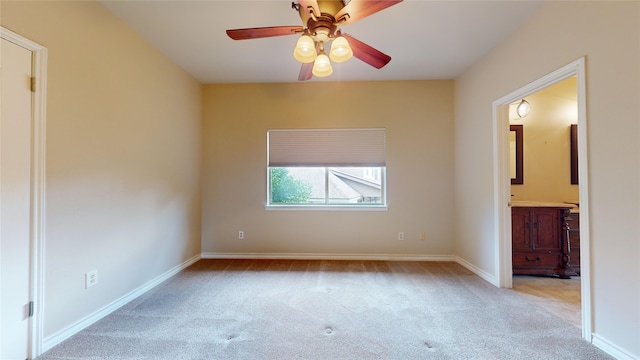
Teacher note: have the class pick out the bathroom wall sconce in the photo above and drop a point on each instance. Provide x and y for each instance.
(523, 108)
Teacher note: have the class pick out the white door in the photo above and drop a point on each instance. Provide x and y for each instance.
(15, 200)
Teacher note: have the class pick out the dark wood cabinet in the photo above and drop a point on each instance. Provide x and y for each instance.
(539, 240)
(573, 222)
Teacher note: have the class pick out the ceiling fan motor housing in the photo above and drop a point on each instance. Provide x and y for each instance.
(326, 7)
(322, 27)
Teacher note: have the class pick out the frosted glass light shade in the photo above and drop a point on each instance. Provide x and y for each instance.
(340, 50)
(305, 50)
(523, 108)
(322, 66)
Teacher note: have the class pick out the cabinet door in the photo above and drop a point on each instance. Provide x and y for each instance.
(546, 229)
(520, 229)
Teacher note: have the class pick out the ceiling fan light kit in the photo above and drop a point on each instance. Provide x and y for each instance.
(305, 50)
(322, 66)
(322, 19)
(340, 50)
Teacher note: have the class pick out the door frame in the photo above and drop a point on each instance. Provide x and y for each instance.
(502, 183)
(38, 152)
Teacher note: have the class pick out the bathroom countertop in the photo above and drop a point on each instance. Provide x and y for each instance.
(541, 204)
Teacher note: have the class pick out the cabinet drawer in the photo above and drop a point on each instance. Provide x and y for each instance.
(544, 259)
(574, 239)
(573, 220)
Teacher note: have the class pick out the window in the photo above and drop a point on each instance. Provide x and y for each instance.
(328, 167)
(370, 173)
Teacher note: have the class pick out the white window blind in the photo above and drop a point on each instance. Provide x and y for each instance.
(326, 147)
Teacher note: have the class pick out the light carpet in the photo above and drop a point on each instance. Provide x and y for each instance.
(320, 309)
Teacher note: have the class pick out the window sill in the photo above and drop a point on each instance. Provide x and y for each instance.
(326, 207)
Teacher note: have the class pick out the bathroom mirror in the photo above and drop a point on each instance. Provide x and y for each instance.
(515, 154)
(574, 154)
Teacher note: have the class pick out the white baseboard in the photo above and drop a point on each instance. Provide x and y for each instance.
(320, 256)
(611, 348)
(492, 279)
(81, 324)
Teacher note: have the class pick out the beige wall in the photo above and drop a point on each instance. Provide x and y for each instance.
(608, 35)
(547, 145)
(418, 117)
(123, 157)
(124, 151)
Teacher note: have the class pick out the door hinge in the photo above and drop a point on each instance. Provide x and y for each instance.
(33, 84)
(30, 308)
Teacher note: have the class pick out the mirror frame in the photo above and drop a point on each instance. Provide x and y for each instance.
(519, 179)
(574, 154)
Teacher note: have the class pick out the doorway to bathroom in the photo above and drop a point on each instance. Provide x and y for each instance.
(502, 160)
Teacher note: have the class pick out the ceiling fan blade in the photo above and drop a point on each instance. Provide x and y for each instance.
(263, 32)
(306, 72)
(313, 4)
(366, 53)
(359, 9)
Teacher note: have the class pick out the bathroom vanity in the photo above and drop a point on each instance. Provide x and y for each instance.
(541, 240)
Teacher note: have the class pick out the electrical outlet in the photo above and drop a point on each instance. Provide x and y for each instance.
(240, 234)
(423, 236)
(90, 278)
(400, 235)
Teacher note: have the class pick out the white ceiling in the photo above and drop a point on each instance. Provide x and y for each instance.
(425, 39)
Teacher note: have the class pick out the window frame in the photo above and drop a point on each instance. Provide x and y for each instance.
(358, 142)
(383, 206)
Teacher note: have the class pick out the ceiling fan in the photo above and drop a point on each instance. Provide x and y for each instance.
(322, 20)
